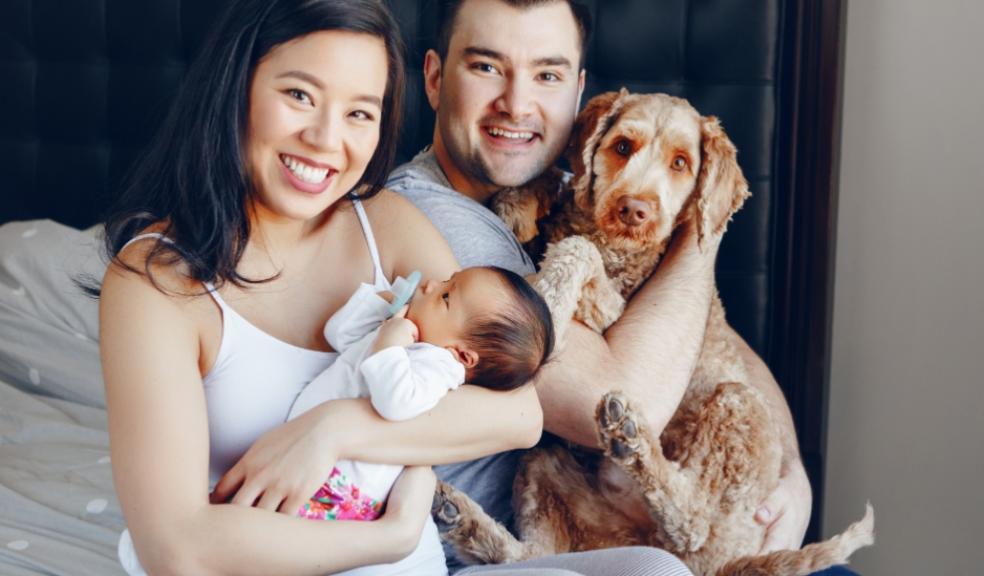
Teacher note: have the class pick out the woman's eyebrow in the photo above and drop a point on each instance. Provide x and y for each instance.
(301, 75)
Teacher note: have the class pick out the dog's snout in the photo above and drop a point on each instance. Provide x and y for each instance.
(633, 212)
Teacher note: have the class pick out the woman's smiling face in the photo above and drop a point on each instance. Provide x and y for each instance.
(314, 120)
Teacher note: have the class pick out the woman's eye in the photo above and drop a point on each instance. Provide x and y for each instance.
(299, 95)
(623, 147)
(362, 115)
(679, 163)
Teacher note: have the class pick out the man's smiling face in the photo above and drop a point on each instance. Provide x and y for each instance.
(507, 94)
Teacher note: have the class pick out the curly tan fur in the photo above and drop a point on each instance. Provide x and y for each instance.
(642, 165)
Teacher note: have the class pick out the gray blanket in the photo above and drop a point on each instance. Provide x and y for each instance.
(58, 510)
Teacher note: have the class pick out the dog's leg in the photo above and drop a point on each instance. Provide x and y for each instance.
(572, 270)
(676, 503)
(559, 508)
(475, 535)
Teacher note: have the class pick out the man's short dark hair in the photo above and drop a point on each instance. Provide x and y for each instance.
(449, 13)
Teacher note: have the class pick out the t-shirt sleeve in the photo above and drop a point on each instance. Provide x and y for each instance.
(406, 382)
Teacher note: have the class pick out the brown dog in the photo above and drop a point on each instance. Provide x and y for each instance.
(642, 165)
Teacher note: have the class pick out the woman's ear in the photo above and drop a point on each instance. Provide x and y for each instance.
(467, 356)
(721, 187)
(590, 125)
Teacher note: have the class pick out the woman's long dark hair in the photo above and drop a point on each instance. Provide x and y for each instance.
(194, 179)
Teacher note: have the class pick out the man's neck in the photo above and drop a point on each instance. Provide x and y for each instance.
(460, 182)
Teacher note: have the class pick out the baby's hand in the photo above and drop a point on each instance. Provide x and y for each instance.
(397, 331)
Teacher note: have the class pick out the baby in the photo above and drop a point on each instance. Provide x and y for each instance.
(484, 326)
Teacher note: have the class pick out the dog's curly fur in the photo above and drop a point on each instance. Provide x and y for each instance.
(643, 163)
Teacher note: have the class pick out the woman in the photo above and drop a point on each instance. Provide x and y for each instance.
(240, 235)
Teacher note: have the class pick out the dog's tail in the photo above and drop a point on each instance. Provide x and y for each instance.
(810, 558)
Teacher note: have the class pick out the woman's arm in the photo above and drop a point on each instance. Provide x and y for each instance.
(159, 442)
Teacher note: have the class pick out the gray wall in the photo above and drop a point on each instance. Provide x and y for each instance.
(907, 391)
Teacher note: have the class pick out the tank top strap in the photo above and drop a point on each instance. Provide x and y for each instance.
(208, 285)
(156, 235)
(379, 281)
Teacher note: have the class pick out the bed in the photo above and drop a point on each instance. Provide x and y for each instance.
(768, 68)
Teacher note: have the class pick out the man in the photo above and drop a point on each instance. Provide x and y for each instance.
(505, 82)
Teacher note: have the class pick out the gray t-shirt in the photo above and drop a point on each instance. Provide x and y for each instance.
(478, 238)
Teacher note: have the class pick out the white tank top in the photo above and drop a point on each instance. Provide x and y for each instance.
(256, 377)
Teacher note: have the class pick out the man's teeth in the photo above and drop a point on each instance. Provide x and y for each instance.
(304, 172)
(500, 133)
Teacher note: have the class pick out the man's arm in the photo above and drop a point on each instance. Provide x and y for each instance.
(649, 353)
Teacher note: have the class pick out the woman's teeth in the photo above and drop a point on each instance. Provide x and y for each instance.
(500, 133)
(304, 172)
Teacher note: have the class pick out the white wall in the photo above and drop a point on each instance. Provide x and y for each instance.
(906, 424)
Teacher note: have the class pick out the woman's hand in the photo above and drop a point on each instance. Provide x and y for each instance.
(409, 505)
(283, 468)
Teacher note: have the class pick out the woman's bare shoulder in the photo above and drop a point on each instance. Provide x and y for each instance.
(407, 238)
(141, 265)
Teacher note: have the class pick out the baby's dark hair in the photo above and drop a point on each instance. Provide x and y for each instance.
(512, 344)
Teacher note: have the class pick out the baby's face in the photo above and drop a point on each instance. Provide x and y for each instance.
(442, 310)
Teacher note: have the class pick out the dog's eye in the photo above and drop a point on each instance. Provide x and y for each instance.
(623, 147)
(679, 163)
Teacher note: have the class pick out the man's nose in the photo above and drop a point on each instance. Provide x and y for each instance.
(516, 99)
(324, 132)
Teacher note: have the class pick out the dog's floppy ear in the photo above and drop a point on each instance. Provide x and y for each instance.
(721, 186)
(591, 124)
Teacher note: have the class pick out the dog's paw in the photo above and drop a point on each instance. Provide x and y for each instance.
(446, 513)
(618, 429)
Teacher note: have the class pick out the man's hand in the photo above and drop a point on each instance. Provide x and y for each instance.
(786, 512)
(397, 331)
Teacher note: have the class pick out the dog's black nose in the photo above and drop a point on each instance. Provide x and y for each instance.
(633, 212)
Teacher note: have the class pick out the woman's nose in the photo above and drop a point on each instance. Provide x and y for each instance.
(322, 133)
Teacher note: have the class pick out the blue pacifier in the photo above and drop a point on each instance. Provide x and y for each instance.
(403, 290)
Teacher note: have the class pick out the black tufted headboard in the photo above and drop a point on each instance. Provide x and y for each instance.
(85, 83)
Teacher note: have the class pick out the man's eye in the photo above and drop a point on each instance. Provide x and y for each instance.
(299, 95)
(485, 67)
(549, 77)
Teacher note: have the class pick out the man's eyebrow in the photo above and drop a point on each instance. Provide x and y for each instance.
(313, 80)
(560, 61)
(487, 52)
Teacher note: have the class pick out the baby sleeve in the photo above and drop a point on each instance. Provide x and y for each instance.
(362, 314)
(406, 382)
